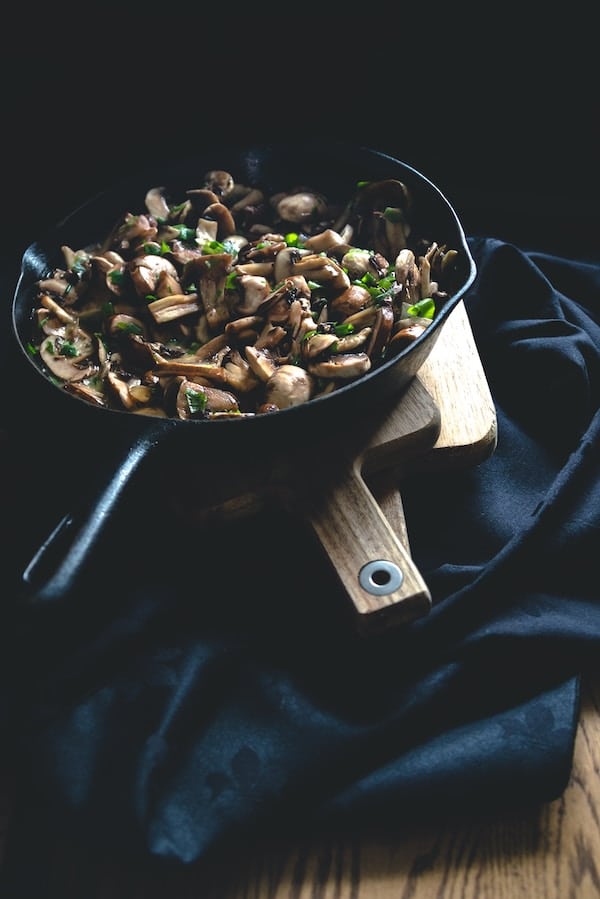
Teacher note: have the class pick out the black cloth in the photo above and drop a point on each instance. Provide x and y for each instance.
(208, 686)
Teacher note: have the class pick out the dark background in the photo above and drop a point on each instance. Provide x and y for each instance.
(503, 119)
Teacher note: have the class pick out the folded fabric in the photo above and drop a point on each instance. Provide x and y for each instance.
(207, 686)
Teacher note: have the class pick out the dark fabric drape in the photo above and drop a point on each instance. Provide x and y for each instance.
(208, 686)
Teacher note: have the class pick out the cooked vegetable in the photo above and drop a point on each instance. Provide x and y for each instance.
(228, 302)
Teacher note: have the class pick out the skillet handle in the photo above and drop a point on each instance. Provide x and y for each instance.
(371, 560)
(59, 562)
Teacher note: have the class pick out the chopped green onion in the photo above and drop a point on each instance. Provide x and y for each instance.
(186, 234)
(129, 328)
(196, 400)
(394, 215)
(423, 309)
(212, 247)
(66, 348)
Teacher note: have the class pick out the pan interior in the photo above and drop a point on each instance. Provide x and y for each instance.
(334, 169)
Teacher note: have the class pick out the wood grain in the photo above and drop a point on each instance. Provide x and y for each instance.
(454, 377)
(350, 523)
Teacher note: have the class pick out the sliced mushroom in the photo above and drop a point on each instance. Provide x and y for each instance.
(351, 342)
(344, 367)
(289, 385)
(396, 231)
(74, 260)
(195, 400)
(259, 269)
(323, 270)
(66, 289)
(364, 318)
(52, 317)
(173, 307)
(266, 249)
(85, 392)
(285, 262)
(120, 390)
(261, 362)
(122, 324)
(270, 337)
(350, 301)
(146, 271)
(244, 330)
(181, 253)
(356, 262)
(424, 277)
(250, 291)
(301, 207)
(156, 203)
(214, 349)
(251, 197)
(132, 231)
(202, 197)
(206, 231)
(324, 241)
(382, 209)
(238, 374)
(220, 182)
(141, 393)
(210, 274)
(220, 214)
(407, 276)
(381, 332)
(317, 344)
(67, 355)
(109, 269)
(138, 353)
(188, 368)
(406, 332)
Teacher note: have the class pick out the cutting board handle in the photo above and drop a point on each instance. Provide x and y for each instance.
(374, 566)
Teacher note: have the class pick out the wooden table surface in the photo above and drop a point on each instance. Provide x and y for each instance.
(550, 851)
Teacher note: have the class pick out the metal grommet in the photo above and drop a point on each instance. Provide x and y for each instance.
(380, 577)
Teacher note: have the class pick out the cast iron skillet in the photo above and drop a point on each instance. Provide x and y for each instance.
(131, 439)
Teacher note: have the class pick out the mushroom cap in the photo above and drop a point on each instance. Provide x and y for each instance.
(344, 367)
(146, 270)
(220, 182)
(194, 400)
(156, 203)
(352, 300)
(289, 385)
(301, 207)
(65, 355)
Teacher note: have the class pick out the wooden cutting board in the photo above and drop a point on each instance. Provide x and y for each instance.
(351, 498)
(444, 420)
(455, 380)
